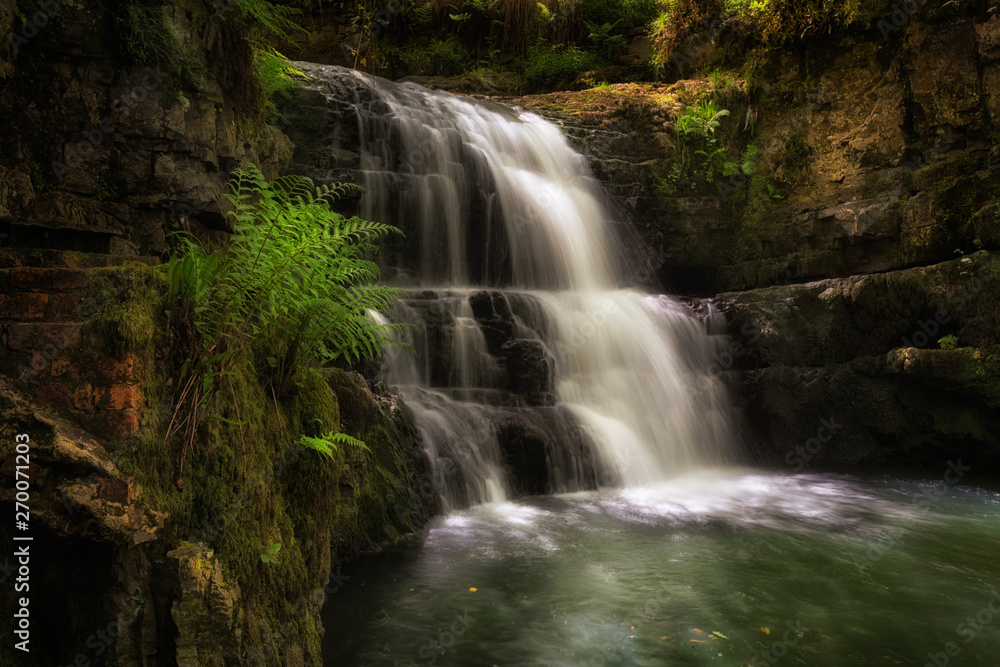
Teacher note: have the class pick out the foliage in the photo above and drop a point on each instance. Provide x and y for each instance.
(439, 57)
(550, 67)
(631, 12)
(949, 342)
(148, 37)
(106, 189)
(700, 121)
(295, 281)
(275, 75)
(269, 555)
(326, 444)
(682, 25)
(606, 43)
(271, 17)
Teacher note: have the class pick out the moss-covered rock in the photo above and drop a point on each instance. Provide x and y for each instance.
(868, 353)
(193, 525)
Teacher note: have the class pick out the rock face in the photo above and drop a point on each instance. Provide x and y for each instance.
(107, 158)
(852, 370)
(94, 541)
(874, 154)
(204, 611)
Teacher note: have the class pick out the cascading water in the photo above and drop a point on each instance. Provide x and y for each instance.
(536, 370)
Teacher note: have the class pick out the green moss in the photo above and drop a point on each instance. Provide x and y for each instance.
(106, 189)
(957, 201)
(129, 308)
(248, 484)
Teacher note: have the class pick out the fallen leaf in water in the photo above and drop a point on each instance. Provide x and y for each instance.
(473, 589)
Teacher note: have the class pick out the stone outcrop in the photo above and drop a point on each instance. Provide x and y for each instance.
(863, 353)
(205, 610)
(109, 158)
(94, 534)
(874, 154)
(51, 344)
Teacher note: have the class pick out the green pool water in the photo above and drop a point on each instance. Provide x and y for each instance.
(719, 568)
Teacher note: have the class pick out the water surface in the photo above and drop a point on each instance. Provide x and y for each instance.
(708, 569)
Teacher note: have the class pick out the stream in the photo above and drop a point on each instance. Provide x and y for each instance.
(717, 568)
(597, 507)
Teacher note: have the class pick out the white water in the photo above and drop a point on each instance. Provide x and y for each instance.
(495, 198)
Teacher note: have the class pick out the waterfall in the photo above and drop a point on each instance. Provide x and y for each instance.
(537, 369)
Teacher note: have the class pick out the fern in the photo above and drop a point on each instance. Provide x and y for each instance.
(274, 72)
(327, 444)
(272, 17)
(294, 287)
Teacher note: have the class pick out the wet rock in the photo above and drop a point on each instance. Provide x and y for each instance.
(911, 407)
(545, 451)
(493, 314)
(864, 352)
(530, 370)
(75, 477)
(834, 321)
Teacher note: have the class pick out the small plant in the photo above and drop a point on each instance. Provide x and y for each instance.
(695, 129)
(140, 599)
(271, 17)
(700, 121)
(269, 555)
(326, 444)
(605, 41)
(949, 342)
(548, 67)
(276, 75)
(106, 189)
(294, 285)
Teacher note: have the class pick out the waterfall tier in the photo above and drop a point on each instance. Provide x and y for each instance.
(537, 368)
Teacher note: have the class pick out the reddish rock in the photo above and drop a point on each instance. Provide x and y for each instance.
(55, 395)
(23, 306)
(45, 337)
(105, 369)
(119, 397)
(83, 397)
(110, 424)
(64, 307)
(116, 490)
(38, 363)
(62, 366)
(48, 279)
